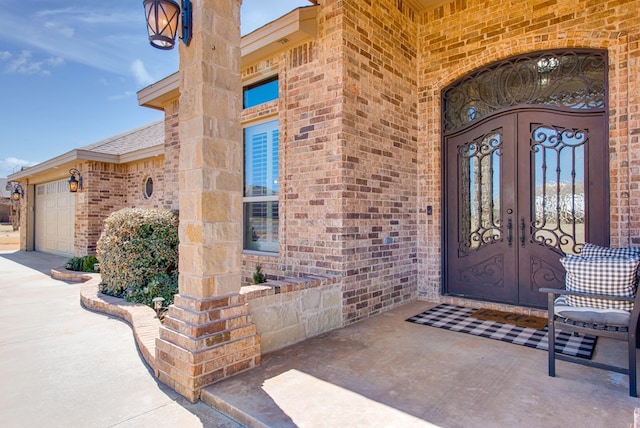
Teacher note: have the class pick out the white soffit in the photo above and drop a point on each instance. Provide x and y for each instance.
(288, 30)
(158, 94)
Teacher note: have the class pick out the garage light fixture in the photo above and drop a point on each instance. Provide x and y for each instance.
(74, 183)
(18, 192)
(162, 22)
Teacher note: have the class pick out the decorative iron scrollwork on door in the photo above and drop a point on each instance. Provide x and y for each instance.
(488, 272)
(479, 167)
(558, 160)
(574, 79)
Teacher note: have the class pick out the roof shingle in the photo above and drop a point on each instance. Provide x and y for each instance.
(140, 138)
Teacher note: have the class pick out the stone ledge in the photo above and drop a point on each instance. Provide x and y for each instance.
(143, 321)
(64, 274)
(288, 285)
(141, 318)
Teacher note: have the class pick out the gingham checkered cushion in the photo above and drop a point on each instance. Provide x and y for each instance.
(593, 250)
(600, 275)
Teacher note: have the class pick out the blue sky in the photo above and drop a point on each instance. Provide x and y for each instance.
(70, 70)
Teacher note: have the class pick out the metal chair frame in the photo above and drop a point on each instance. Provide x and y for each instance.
(628, 334)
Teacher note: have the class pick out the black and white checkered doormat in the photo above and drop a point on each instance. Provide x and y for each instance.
(458, 318)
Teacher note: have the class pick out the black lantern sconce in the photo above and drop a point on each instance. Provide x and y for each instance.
(74, 183)
(162, 22)
(18, 192)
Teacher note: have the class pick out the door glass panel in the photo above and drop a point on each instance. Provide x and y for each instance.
(479, 203)
(559, 186)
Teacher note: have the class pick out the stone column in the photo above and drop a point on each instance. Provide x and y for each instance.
(207, 334)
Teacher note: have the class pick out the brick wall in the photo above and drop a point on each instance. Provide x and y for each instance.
(348, 146)
(460, 36)
(137, 174)
(378, 164)
(104, 190)
(360, 136)
(108, 188)
(171, 155)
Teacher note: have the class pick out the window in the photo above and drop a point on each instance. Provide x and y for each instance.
(261, 92)
(148, 187)
(261, 187)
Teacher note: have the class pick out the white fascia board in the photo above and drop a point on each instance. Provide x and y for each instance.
(141, 154)
(158, 94)
(280, 34)
(64, 160)
(74, 156)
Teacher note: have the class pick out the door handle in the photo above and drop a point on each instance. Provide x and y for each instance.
(522, 231)
(509, 231)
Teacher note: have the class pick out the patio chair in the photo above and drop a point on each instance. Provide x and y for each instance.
(600, 299)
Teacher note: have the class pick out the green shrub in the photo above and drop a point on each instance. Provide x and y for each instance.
(75, 264)
(82, 264)
(88, 263)
(258, 276)
(164, 285)
(137, 246)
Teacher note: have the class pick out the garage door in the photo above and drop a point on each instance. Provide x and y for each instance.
(55, 220)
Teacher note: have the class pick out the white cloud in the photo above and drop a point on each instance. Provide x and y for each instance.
(108, 39)
(55, 62)
(62, 29)
(23, 64)
(97, 36)
(91, 15)
(10, 165)
(140, 72)
(126, 94)
(102, 37)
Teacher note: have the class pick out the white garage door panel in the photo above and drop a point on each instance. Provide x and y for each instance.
(55, 220)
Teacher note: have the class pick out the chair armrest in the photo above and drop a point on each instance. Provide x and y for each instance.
(556, 291)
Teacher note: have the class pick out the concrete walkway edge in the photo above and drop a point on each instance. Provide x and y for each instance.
(141, 318)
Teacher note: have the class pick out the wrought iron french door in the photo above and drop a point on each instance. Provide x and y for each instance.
(522, 188)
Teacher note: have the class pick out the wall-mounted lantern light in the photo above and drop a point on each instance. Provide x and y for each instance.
(162, 22)
(18, 192)
(74, 183)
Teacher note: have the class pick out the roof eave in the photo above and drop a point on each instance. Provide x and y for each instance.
(146, 153)
(158, 94)
(287, 31)
(64, 160)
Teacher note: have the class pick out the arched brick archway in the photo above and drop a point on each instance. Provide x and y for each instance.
(438, 75)
(525, 173)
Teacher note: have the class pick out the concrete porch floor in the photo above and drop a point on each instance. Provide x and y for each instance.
(382, 372)
(386, 372)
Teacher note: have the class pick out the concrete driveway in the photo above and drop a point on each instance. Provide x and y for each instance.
(63, 366)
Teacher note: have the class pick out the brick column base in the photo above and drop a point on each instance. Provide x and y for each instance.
(204, 341)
